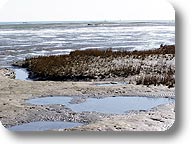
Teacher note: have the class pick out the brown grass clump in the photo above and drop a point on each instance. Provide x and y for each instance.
(167, 49)
(167, 80)
(101, 64)
(125, 71)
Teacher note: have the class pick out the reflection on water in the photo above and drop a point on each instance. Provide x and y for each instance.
(110, 105)
(111, 84)
(21, 74)
(44, 125)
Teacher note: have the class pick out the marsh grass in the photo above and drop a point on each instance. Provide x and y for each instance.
(98, 64)
(167, 49)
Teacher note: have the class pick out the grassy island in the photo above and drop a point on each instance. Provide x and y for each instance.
(156, 66)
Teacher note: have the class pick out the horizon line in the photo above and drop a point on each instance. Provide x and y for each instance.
(83, 21)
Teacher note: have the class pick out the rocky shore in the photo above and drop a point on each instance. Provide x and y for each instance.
(7, 73)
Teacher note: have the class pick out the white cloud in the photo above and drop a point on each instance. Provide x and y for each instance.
(2, 3)
(52, 10)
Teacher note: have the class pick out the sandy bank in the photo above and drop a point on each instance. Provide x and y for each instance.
(14, 110)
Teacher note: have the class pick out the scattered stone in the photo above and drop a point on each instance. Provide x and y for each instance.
(7, 73)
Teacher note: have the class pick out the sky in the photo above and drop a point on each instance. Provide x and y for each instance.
(88, 10)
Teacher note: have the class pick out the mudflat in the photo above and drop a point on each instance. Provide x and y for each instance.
(96, 75)
(15, 111)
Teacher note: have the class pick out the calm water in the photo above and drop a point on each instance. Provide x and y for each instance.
(44, 125)
(111, 84)
(110, 105)
(21, 74)
(20, 40)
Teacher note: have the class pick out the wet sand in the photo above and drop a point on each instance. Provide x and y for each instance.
(14, 110)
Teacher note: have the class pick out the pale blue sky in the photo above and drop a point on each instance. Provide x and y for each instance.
(76, 10)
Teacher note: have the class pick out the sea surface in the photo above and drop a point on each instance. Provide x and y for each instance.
(28, 39)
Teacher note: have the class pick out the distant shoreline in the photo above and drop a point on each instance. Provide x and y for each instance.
(84, 21)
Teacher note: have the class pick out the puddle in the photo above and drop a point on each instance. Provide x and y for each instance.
(44, 125)
(21, 74)
(110, 105)
(111, 84)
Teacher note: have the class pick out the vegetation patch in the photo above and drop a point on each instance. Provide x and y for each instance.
(148, 67)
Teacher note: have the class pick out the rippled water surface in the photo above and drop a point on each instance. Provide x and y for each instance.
(20, 40)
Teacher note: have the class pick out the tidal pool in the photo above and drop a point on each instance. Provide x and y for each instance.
(109, 105)
(111, 84)
(44, 125)
(21, 74)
